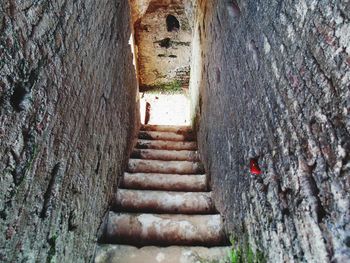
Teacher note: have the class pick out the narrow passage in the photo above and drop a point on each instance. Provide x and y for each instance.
(163, 210)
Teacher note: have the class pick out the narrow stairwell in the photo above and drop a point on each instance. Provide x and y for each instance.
(163, 210)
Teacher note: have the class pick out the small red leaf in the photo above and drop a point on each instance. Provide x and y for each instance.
(254, 167)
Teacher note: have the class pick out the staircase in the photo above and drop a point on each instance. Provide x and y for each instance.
(163, 210)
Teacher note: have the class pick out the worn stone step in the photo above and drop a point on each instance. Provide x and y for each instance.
(166, 155)
(165, 145)
(165, 136)
(164, 229)
(152, 254)
(167, 128)
(171, 167)
(164, 202)
(170, 182)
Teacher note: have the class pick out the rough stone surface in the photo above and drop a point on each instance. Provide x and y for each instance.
(172, 254)
(274, 85)
(67, 114)
(164, 201)
(164, 229)
(162, 218)
(170, 182)
(163, 56)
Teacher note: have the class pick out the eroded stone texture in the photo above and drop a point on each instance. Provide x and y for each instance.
(171, 182)
(172, 254)
(274, 85)
(163, 40)
(165, 229)
(67, 103)
(165, 155)
(164, 201)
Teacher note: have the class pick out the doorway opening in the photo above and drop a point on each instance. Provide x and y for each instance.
(163, 55)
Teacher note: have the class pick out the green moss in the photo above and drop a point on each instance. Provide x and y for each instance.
(235, 256)
(250, 255)
(243, 252)
(51, 257)
(164, 87)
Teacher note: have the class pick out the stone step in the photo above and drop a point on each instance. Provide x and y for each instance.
(166, 155)
(165, 145)
(167, 128)
(151, 254)
(164, 202)
(164, 229)
(170, 167)
(164, 136)
(170, 182)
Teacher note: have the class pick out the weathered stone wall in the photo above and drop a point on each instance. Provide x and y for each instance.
(67, 117)
(275, 85)
(163, 56)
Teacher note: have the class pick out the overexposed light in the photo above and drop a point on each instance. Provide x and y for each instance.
(166, 109)
(132, 47)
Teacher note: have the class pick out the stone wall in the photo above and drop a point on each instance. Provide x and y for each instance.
(67, 117)
(163, 56)
(275, 86)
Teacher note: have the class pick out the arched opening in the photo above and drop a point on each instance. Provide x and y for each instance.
(172, 23)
